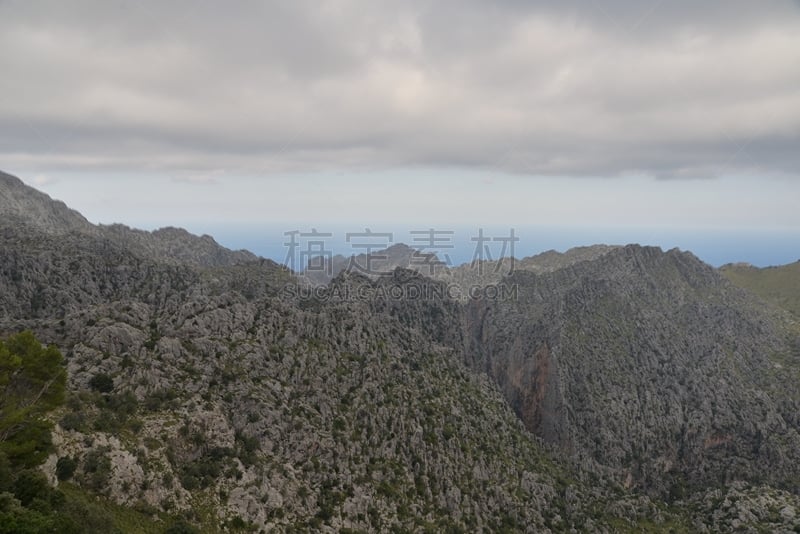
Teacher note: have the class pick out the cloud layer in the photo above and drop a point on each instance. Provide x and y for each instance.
(669, 89)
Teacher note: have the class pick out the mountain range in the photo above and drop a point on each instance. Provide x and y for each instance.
(607, 388)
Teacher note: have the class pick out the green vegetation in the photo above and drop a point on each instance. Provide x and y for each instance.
(779, 285)
(100, 515)
(32, 383)
(205, 470)
(102, 382)
(65, 468)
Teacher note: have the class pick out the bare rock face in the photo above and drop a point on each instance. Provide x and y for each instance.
(647, 362)
(21, 204)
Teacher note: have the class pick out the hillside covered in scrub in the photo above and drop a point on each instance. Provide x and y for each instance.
(622, 389)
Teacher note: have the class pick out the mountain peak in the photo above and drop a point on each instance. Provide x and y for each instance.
(22, 204)
(552, 260)
(320, 270)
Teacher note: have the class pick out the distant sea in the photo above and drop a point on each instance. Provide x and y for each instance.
(461, 244)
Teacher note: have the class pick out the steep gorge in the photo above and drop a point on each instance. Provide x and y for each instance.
(649, 363)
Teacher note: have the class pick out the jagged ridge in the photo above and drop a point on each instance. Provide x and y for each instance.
(322, 412)
(21, 205)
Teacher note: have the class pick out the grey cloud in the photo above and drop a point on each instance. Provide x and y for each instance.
(576, 88)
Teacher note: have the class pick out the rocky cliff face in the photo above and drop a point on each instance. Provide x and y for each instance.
(239, 397)
(650, 363)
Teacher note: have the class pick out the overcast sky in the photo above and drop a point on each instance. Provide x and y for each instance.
(566, 112)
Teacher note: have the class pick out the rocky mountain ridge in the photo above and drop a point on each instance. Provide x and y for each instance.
(23, 205)
(617, 389)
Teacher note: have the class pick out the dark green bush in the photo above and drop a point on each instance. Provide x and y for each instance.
(31, 485)
(65, 467)
(97, 469)
(102, 382)
(73, 421)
